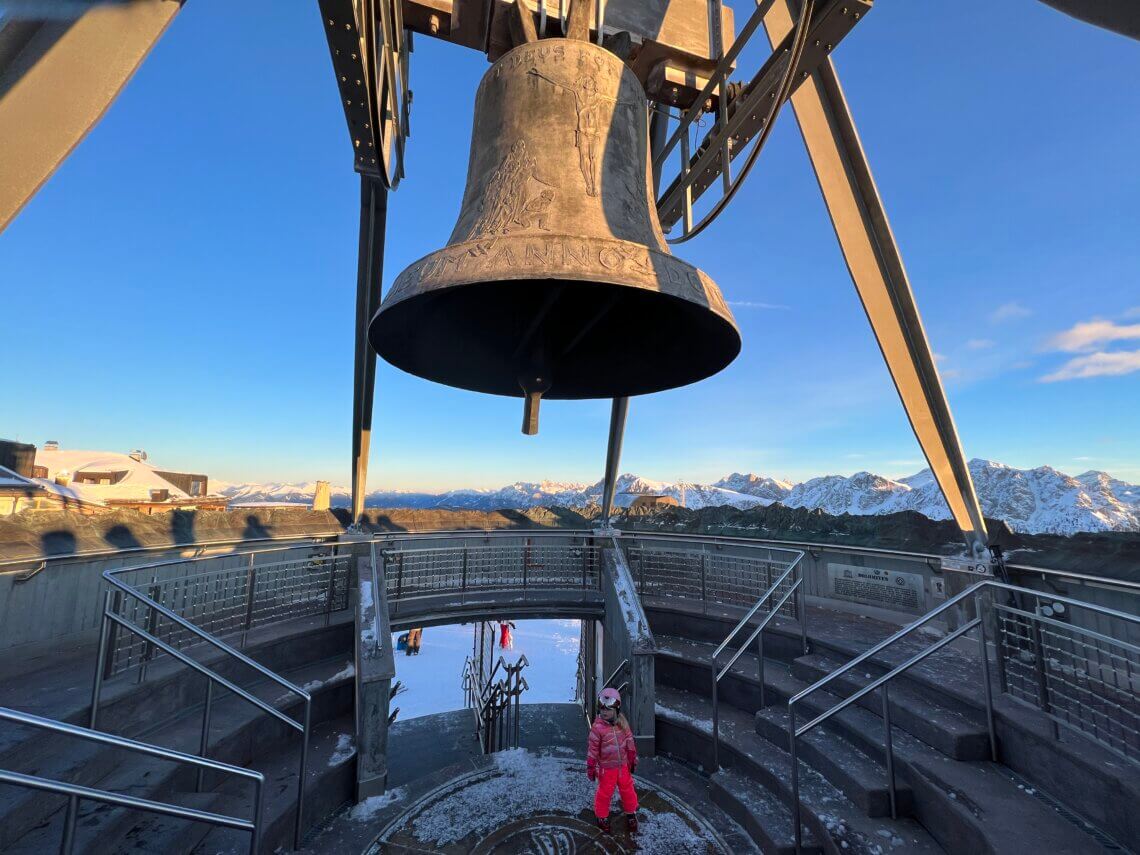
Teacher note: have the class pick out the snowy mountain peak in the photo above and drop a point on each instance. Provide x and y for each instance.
(1039, 500)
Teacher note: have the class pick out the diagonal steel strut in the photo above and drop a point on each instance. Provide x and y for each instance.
(876, 267)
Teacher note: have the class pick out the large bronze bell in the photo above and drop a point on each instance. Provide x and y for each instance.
(557, 280)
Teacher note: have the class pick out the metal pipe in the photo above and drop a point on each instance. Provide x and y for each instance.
(985, 658)
(258, 812)
(760, 660)
(299, 828)
(870, 687)
(759, 629)
(797, 835)
(889, 748)
(50, 786)
(715, 723)
(204, 742)
(99, 736)
(202, 669)
(618, 412)
(100, 662)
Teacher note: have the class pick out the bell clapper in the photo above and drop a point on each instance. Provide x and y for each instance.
(534, 385)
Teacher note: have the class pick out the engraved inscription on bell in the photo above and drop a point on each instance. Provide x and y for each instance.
(556, 280)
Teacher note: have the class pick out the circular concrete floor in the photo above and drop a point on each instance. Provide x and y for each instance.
(527, 803)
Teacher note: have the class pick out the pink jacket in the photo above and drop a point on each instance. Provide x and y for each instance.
(609, 746)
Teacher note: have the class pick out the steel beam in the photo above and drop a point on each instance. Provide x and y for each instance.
(370, 271)
(876, 267)
(618, 412)
(57, 79)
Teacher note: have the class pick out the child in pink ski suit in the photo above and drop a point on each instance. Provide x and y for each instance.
(611, 758)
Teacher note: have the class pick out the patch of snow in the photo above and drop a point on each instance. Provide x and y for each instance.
(367, 809)
(345, 748)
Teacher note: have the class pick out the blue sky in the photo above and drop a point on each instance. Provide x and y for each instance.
(185, 281)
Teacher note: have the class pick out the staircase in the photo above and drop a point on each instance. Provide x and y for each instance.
(950, 797)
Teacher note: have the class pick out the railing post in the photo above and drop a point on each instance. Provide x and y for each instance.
(704, 589)
(299, 827)
(463, 580)
(760, 658)
(332, 586)
(715, 723)
(250, 587)
(258, 811)
(804, 646)
(986, 677)
(890, 749)
(796, 833)
(1039, 662)
(151, 627)
(204, 742)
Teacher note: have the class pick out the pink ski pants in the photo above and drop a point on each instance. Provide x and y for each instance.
(607, 780)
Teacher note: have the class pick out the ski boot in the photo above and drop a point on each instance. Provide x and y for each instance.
(631, 823)
(604, 824)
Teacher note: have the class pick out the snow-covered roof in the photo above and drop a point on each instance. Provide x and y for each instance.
(137, 484)
(8, 478)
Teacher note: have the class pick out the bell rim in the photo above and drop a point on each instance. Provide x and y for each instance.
(482, 248)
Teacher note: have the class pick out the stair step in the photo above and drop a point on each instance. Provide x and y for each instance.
(832, 817)
(956, 732)
(240, 733)
(862, 779)
(331, 777)
(766, 819)
(967, 806)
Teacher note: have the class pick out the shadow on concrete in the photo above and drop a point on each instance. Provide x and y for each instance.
(121, 537)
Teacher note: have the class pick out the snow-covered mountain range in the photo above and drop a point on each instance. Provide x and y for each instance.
(1041, 500)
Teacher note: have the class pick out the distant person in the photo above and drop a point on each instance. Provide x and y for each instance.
(415, 636)
(611, 758)
(506, 639)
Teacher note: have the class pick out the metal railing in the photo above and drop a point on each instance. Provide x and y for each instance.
(716, 572)
(136, 627)
(223, 601)
(535, 561)
(791, 583)
(1037, 666)
(496, 704)
(77, 792)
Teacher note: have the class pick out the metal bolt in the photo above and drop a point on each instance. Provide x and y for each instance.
(844, 10)
(433, 24)
(803, 76)
(828, 48)
(817, 42)
(857, 16)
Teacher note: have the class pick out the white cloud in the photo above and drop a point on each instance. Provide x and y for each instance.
(979, 344)
(1096, 365)
(1134, 312)
(752, 304)
(939, 358)
(1009, 312)
(1090, 335)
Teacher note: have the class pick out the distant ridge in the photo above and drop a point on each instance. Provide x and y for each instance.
(1035, 501)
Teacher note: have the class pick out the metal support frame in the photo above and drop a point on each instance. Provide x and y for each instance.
(370, 272)
(876, 267)
(57, 80)
(618, 413)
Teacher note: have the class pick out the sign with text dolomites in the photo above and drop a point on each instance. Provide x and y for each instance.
(889, 589)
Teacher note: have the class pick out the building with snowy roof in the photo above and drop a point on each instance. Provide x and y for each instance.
(115, 480)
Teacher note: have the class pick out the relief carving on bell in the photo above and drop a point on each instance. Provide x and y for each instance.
(556, 280)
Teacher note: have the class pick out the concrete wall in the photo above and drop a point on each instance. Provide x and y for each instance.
(61, 604)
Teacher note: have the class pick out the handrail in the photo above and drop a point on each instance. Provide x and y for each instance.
(109, 617)
(77, 792)
(883, 682)
(766, 597)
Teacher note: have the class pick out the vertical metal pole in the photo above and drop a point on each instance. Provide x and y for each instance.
(803, 615)
(204, 742)
(258, 812)
(370, 270)
(715, 723)
(797, 834)
(704, 591)
(250, 587)
(986, 678)
(100, 661)
(760, 658)
(618, 412)
(299, 827)
(152, 628)
(890, 749)
(1039, 665)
